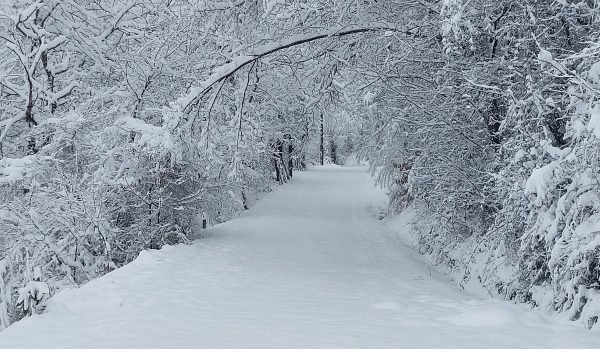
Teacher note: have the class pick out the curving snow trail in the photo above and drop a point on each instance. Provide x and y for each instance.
(310, 266)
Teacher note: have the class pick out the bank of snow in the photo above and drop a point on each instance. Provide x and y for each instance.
(310, 266)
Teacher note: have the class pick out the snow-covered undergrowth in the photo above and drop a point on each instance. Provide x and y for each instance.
(488, 267)
(92, 199)
(500, 160)
(473, 264)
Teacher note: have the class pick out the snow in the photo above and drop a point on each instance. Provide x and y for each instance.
(540, 182)
(594, 123)
(545, 56)
(150, 135)
(310, 266)
(33, 295)
(13, 170)
(594, 73)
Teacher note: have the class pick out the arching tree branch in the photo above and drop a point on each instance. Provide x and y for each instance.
(228, 69)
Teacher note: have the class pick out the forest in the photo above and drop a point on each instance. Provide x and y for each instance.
(127, 125)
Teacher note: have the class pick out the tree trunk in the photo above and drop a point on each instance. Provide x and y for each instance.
(278, 162)
(277, 172)
(322, 142)
(290, 160)
(334, 158)
(244, 200)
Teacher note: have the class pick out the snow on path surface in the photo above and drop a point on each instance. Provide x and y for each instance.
(309, 266)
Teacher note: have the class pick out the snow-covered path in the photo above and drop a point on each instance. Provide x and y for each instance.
(309, 266)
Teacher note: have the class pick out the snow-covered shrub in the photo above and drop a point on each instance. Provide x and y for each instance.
(5, 297)
(559, 247)
(32, 298)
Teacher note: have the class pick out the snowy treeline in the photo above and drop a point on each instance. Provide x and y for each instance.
(121, 128)
(123, 122)
(496, 139)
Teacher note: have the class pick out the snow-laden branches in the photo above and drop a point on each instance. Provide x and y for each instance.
(518, 210)
(237, 63)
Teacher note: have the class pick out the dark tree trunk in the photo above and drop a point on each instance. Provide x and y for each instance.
(290, 160)
(322, 142)
(493, 119)
(244, 200)
(277, 172)
(334, 153)
(277, 161)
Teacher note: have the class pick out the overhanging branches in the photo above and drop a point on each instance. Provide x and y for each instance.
(228, 69)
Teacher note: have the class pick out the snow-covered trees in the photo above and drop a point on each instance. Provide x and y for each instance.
(542, 180)
(99, 160)
(494, 137)
(125, 122)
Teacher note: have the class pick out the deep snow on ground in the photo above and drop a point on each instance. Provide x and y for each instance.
(310, 266)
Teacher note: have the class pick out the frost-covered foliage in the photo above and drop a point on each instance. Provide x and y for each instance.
(560, 246)
(125, 123)
(493, 141)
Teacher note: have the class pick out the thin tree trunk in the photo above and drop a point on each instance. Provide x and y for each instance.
(277, 161)
(322, 142)
(334, 158)
(290, 160)
(244, 200)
